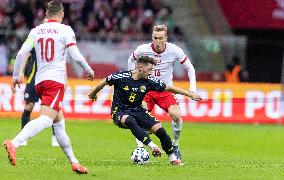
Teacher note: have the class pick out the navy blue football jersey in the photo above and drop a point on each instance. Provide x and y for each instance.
(129, 93)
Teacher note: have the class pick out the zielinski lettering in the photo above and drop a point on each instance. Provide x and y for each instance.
(48, 31)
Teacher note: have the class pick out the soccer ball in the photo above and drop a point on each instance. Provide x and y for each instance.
(140, 155)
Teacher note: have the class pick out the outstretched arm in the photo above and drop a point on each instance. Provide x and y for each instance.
(191, 75)
(176, 90)
(97, 88)
(77, 56)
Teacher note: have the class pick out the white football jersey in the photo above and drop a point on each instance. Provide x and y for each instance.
(165, 60)
(51, 41)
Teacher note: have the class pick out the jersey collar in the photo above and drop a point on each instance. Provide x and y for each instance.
(52, 20)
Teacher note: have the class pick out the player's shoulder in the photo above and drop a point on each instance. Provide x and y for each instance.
(154, 79)
(121, 74)
(173, 46)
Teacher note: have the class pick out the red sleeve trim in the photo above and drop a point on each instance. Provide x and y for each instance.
(134, 56)
(183, 60)
(70, 44)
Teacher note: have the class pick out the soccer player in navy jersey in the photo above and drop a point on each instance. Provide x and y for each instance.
(130, 87)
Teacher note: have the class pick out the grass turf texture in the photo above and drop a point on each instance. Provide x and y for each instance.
(210, 151)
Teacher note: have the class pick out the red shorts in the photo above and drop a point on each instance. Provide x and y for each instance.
(163, 99)
(51, 94)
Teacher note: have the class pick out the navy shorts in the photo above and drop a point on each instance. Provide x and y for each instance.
(30, 93)
(144, 119)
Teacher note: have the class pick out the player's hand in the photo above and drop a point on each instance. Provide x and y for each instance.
(195, 97)
(15, 83)
(92, 96)
(90, 75)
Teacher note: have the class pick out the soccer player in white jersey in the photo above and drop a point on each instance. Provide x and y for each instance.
(50, 40)
(165, 55)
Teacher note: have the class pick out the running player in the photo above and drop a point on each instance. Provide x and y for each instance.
(130, 87)
(51, 41)
(165, 54)
(30, 95)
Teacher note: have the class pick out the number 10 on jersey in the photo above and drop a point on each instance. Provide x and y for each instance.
(46, 49)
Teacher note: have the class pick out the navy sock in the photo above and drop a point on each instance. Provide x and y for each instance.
(138, 132)
(165, 140)
(26, 116)
(52, 130)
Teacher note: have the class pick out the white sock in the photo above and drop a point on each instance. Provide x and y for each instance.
(176, 126)
(172, 157)
(63, 140)
(31, 129)
(152, 145)
(139, 143)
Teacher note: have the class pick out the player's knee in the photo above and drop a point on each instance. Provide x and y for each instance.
(156, 127)
(176, 116)
(29, 106)
(130, 121)
(59, 124)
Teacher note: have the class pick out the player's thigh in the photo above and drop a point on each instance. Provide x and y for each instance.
(119, 119)
(30, 94)
(166, 100)
(145, 119)
(48, 111)
(29, 106)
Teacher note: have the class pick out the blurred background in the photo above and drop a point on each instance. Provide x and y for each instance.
(223, 38)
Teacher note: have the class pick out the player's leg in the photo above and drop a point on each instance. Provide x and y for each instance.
(54, 142)
(35, 126)
(51, 94)
(65, 144)
(30, 98)
(140, 134)
(148, 103)
(168, 102)
(45, 120)
(175, 114)
(26, 115)
(166, 143)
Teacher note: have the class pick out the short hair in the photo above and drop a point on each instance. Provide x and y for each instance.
(159, 28)
(145, 60)
(53, 8)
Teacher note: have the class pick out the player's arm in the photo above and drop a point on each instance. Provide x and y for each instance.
(133, 58)
(75, 53)
(20, 59)
(24, 66)
(77, 56)
(191, 75)
(97, 88)
(185, 61)
(176, 90)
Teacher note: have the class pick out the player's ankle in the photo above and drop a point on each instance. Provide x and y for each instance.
(172, 157)
(152, 145)
(175, 143)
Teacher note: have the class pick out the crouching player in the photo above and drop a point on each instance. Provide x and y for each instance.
(130, 87)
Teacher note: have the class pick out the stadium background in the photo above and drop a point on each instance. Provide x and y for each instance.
(212, 35)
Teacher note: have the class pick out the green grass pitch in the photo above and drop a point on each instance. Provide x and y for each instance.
(210, 151)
